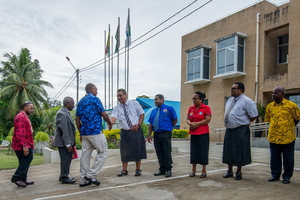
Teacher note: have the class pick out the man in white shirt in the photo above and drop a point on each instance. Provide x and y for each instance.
(132, 143)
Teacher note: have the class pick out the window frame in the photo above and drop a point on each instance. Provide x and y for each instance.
(201, 57)
(235, 72)
(281, 46)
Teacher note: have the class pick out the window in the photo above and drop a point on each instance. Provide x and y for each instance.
(295, 99)
(283, 49)
(198, 64)
(230, 55)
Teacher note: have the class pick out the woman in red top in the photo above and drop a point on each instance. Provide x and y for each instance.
(198, 118)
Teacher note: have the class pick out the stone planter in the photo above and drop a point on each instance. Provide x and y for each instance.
(39, 146)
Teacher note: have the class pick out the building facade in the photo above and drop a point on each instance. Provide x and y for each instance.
(258, 46)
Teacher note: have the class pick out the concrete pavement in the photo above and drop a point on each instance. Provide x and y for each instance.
(254, 184)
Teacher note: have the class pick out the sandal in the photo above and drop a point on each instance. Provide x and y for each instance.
(123, 173)
(138, 172)
(192, 174)
(202, 175)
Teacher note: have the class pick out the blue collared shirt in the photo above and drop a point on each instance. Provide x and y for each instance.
(89, 111)
(166, 116)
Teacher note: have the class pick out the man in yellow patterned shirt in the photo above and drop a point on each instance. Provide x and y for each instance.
(283, 116)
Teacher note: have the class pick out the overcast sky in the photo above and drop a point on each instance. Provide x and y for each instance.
(54, 29)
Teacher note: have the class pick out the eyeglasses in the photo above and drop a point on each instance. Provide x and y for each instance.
(233, 88)
(195, 99)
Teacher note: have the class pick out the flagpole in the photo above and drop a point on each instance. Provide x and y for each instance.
(118, 53)
(109, 71)
(129, 43)
(105, 70)
(125, 71)
(112, 72)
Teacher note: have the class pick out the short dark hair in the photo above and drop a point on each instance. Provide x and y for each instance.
(25, 103)
(201, 95)
(160, 96)
(241, 86)
(89, 86)
(122, 90)
(67, 100)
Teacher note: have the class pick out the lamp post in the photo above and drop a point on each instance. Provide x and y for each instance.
(77, 75)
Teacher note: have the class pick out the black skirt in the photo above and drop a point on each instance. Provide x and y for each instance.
(199, 149)
(236, 148)
(132, 145)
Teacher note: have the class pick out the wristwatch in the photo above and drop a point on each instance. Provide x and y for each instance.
(139, 125)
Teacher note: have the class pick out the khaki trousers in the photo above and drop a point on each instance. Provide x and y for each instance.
(89, 143)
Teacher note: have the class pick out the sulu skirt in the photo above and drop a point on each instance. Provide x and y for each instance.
(199, 148)
(132, 145)
(236, 148)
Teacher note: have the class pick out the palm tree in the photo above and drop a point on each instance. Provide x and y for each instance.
(48, 124)
(21, 82)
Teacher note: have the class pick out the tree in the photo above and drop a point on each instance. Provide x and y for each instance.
(143, 96)
(21, 82)
(48, 124)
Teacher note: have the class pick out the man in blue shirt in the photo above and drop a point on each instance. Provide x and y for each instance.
(89, 115)
(161, 121)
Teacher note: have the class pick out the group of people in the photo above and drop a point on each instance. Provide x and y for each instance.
(282, 114)
(240, 111)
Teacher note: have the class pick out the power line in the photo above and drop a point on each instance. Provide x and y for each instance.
(83, 69)
(66, 88)
(100, 62)
(91, 67)
(57, 94)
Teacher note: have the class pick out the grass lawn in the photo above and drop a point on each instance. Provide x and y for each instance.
(11, 161)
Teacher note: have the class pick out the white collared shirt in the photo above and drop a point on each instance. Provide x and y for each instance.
(243, 109)
(134, 111)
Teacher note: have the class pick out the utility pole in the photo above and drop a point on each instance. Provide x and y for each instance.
(77, 75)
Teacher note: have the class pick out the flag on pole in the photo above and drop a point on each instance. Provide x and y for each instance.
(107, 49)
(128, 31)
(117, 36)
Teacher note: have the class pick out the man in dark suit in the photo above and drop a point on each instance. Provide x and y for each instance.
(65, 139)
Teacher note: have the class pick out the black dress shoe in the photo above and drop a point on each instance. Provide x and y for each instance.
(238, 176)
(68, 181)
(123, 173)
(286, 181)
(138, 172)
(228, 174)
(159, 173)
(272, 179)
(85, 184)
(29, 182)
(20, 183)
(61, 179)
(93, 180)
(168, 174)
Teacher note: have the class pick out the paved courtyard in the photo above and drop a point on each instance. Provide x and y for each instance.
(254, 184)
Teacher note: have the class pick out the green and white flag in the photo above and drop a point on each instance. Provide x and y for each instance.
(128, 31)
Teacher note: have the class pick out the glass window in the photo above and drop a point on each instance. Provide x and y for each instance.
(230, 55)
(283, 49)
(295, 99)
(198, 64)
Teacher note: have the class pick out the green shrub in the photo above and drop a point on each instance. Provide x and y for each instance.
(9, 139)
(145, 129)
(41, 137)
(180, 133)
(11, 132)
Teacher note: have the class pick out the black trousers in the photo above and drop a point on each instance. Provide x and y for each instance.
(285, 151)
(163, 148)
(65, 162)
(24, 163)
